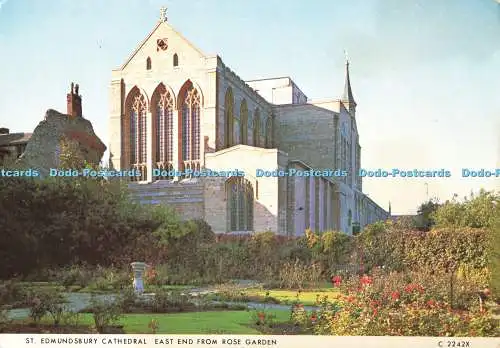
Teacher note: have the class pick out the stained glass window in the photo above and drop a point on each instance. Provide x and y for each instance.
(256, 129)
(229, 118)
(240, 204)
(133, 136)
(244, 123)
(186, 136)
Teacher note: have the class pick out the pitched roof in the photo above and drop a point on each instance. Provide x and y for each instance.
(143, 42)
(14, 138)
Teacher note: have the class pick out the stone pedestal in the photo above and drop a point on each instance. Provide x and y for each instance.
(138, 268)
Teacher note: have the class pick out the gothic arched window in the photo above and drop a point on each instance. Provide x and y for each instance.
(229, 117)
(138, 131)
(190, 124)
(256, 128)
(244, 122)
(135, 132)
(250, 138)
(269, 132)
(176, 59)
(163, 102)
(148, 64)
(240, 204)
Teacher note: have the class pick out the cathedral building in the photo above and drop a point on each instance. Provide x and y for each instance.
(176, 113)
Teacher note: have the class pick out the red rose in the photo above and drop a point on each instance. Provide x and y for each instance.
(336, 280)
(366, 280)
(395, 295)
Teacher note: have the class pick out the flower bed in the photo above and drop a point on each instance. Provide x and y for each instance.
(376, 306)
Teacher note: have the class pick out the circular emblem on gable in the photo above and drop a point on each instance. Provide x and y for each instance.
(161, 44)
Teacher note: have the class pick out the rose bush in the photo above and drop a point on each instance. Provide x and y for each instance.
(372, 306)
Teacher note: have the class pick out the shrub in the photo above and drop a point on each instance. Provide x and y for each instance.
(262, 317)
(75, 275)
(69, 318)
(370, 307)
(127, 300)
(11, 292)
(107, 279)
(47, 301)
(105, 313)
(4, 320)
(171, 301)
(153, 326)
(232, 293)
(297, 275)
(494, 256)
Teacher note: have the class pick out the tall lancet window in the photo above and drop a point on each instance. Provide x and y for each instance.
(134, 134)
(138, 131)
(229, 118)
(256, 128)
(164, 129)
(133, 137)
(191, 125)
(244, 122)
(269, 132)
(240, 204)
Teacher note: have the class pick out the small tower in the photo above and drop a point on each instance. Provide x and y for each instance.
(74, 102)
(348, 98)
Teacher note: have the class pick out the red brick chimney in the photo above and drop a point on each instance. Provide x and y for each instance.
(74, 101)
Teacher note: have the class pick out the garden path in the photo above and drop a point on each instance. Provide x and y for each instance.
(78, 301)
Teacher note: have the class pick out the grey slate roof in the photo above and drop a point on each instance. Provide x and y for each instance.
(14, 138)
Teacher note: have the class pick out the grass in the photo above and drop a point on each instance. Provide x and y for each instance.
(288, 296)
(225, 322)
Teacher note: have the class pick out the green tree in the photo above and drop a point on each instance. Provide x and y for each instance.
(476, 211)
(425, 220)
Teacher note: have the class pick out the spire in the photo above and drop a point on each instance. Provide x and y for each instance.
(348, 98)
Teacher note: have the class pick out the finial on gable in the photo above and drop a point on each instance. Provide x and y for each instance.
(346, 57)
(163, 14)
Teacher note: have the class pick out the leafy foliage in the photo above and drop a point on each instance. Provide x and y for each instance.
(105, 313)
(400, 305)
(476, 211)
(494, 255)
(426, 212)
(64, 221)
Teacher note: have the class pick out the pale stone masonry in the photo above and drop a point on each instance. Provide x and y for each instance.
(174, 107)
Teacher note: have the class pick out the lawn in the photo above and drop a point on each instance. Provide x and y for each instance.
(221, 322)
(308, 298)
(227, 322)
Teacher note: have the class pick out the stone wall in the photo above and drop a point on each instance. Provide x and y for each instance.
(193, 68)
(306, 132)
(269, 209)
(256, 104)
(43, 149)
(185, 197)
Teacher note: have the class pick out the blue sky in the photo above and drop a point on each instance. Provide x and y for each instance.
(425, 74)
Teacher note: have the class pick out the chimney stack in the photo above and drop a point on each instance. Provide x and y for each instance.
(74, 101)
